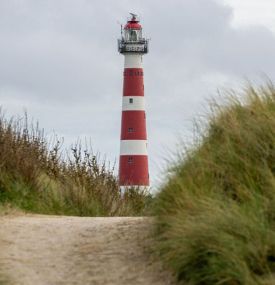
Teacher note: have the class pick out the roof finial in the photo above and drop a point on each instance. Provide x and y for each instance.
(134, 16)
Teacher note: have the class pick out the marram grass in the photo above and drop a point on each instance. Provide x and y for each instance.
(215, 217)
(38, 177)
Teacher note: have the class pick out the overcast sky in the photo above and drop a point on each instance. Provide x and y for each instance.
(59, 61)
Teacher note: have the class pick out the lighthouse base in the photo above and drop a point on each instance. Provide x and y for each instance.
(136, 188)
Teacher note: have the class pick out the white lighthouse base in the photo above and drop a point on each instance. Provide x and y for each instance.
(138, 188)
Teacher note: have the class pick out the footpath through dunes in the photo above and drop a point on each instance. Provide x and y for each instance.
(53, 250)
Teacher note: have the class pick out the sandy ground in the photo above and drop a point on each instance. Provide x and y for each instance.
(36, 250)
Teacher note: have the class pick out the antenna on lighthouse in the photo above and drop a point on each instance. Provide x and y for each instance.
(121, 28)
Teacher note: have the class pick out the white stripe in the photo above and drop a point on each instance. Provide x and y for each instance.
(132, 60)
(133, 103)
(133, 147)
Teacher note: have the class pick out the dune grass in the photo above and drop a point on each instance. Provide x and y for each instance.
(215, 217)
(38, 177)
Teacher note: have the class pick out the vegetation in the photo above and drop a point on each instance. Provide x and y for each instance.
(216, 213)
(38, 178)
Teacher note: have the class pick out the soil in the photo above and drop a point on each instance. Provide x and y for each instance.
(51, 250)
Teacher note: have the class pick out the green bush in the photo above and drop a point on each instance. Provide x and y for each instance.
(215, 216)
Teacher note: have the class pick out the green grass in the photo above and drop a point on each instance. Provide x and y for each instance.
(215, 217)
(38, 177)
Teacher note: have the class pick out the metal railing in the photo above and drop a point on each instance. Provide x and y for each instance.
(140, 46)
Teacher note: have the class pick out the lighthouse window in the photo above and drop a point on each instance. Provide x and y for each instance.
(131, 100)
(133, 35)
(130, 159)
(130, 130)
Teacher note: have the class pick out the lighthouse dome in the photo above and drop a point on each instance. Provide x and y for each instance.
(132, 24)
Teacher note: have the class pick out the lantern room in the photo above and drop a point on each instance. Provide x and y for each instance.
(131, 37)
(133, 30)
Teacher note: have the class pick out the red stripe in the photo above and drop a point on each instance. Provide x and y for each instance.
(133, 125)
(133, 170)
(133, 82)
(133, 72)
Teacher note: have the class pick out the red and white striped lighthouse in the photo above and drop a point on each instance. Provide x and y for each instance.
(133, 162)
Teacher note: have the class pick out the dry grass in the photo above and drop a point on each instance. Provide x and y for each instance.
(38, 178)
(216, 214)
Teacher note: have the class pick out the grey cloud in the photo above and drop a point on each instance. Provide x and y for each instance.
(59, 60)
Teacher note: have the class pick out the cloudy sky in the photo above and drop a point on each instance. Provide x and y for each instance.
(59, 61)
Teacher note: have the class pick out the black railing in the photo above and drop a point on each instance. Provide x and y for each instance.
(140, 46)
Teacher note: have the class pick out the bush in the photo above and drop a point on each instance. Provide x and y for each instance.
(216, 214)
(42, 179)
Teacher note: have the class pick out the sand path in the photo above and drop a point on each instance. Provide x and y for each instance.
(50, 250)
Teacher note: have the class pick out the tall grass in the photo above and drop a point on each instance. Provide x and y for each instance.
(38, 177)
(216, 214)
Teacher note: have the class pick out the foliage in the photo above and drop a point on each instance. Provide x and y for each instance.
(216, 214)
(42, 179)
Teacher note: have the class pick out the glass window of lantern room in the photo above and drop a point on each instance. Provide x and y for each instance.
(139, 34)
(126, 34)
(133, 35)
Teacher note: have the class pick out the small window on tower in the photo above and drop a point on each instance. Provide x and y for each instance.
(130, 159)
(130, 130)
(131, 100)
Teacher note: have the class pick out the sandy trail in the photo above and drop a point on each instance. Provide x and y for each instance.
(36, 250)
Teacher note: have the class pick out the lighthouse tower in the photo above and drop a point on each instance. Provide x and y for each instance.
(133, 162)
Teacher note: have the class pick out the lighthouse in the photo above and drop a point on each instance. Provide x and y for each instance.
(133, 161)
